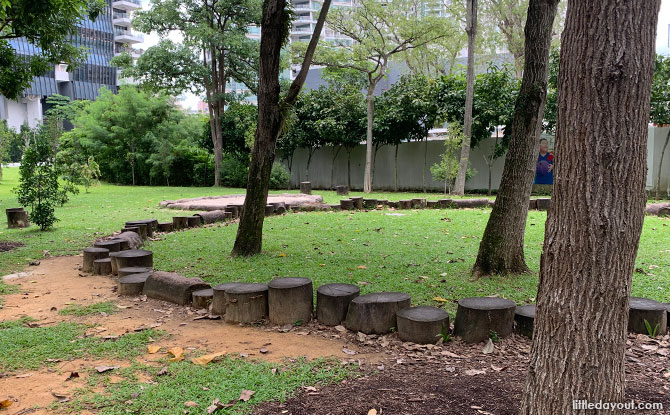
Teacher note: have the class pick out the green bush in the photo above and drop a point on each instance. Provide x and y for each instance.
(234, 172)
(279, 177)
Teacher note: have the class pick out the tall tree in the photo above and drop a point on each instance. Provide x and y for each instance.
(275, 27)
(379, 32)
(46, 26)
(501, 248)
(214, 49)
(471, 30)
(594, 224)
(660, 107)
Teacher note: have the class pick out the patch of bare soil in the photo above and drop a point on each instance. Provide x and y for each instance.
(220, 202)
(57, 283)
(8, 246)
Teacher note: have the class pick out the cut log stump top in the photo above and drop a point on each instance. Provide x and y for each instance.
(134, 278)
(96, 250)
(225, 286)
(205, 292)
(103, 260)
(134, 253)
(247, 288)
(383, 297)
(338, 290)
(526, 310)
(112, 244)
(286, 283)
(638, 303)
(133, 270)
(423, 313)
(486, 303)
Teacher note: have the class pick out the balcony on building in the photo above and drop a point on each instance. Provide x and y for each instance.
(61, 74)
(128, 5)
(124, 35)
(121, 18)
(120, 48)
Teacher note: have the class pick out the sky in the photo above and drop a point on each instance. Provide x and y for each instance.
(190, 101)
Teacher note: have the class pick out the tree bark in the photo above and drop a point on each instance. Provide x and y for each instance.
(471, 30)
(367, 180)
(660, 167)
(597, 209)
(501, 248)
(249, 239)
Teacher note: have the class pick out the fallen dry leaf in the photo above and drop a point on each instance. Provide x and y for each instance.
(473, 372)
(362, 267)
(103, 369)
(6, 403)
(488, 349)
(72, 376)
(177, 354)
(246, 395)
(372, 412)
(203, 360)
(152, 348)
(190, 404)
(348, 351)
(440, 299)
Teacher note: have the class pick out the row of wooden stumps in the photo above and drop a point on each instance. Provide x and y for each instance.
(359, 203)
(17, 218)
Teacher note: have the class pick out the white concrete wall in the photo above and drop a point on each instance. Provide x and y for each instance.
(16, 114)
(657, 138)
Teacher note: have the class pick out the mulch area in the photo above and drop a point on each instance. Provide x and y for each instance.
(458, 378)
(8, 246)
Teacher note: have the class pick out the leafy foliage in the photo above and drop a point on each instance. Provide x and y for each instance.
(660, 91)
(46, 25)
(446, 170)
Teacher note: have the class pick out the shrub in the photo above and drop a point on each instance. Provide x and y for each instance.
(234, 172)
(279, 177)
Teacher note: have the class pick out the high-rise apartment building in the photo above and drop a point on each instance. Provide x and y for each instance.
(108, 35)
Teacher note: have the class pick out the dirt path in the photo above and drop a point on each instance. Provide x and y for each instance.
(57, 283)
(220, 202)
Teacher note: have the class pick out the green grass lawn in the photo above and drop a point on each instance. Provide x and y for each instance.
(428, 253)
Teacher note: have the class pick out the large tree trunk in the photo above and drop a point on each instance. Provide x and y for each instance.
(367, 179)
(595, 220)
(471, 30)
(501, 248)
(249, 239)
(660, 167)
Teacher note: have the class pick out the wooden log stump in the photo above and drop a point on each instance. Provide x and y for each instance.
(17, 218)
(172, 287)
(432, 204)
(280, 207)
(135, 258)
(422, 325)
(102, 266)
(342, 190)
(653, 312)
(269, 210)
(664, 211)
(444, 203)
(479, 317)
(382, 202)
(90, 255)
(212, 216)
(306, 188)
(469, 203)
(234, 211)
(131, 229)
(376, 312)
(543, 203)
(524, 319)
(370, 203)
(492, 203)
(335, 207)
(532, 204)
(111, 245)
(133, 240)
(132, 284)
(419, 203)
(346, 204)
(332, 302)
(147, 224)
(246, 303)
(115, 265)
(290, 301)
(133, 270)
(193, 221)
(165, 227)
(391, 204)
(358, 202)
(219, 297)
(404, 204)
(123, 243)
(227, 216)
(202, 298)
(179, 222)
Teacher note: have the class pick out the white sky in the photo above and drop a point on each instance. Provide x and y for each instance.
(662, 44)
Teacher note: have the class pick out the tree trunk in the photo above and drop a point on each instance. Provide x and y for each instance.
(309, 161)
(332, 166)
(395, 168)
(249, 239)
(660, 167)
(367, 180)
(597, 208)
(501, 248)
(471, 30)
